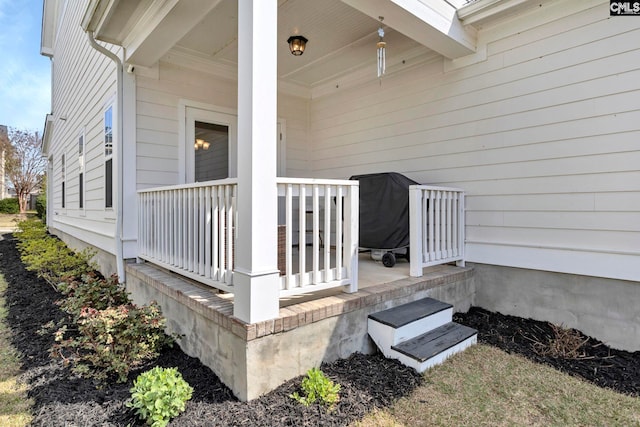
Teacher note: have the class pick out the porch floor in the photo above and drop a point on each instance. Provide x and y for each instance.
(377, 285)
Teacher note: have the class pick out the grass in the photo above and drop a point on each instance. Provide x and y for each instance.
(486, 386)
(10, 220)
(14, 405)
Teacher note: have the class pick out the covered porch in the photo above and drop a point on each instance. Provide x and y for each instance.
(258, 265)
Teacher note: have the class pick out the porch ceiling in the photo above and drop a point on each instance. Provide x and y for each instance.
(341, 40)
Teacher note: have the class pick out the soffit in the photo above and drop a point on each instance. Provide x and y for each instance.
(341, 40)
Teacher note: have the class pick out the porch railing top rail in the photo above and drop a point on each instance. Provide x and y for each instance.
(436, 188)
(311, 181)
(227, 181)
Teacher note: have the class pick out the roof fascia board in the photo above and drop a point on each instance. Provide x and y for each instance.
(162, 26)
(47, 34)
(483, 10)
(96, 14)
(432, 23)
(46, 134)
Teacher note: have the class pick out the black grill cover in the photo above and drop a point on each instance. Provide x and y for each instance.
(384, 210)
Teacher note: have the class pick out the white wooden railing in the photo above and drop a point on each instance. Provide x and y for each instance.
(320, 234)
(190, 229)
(436, 224)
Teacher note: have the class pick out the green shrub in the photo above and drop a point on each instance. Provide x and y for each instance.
(9, 206)
(317, 387)
(31, 229)
(41, 205)
(159, 395)
(113, 340)
(52, 260)
(48, 256)
(91, 291)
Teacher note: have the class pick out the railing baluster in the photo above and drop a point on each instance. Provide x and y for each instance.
(289, 236)
(316, 234)
(215, 226)
(230, 200)
(339, 232)
(327, 233)
(302, 243)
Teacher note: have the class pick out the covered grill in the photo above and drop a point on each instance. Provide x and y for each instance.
(384, 215)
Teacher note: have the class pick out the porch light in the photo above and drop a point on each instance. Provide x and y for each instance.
(201, 143)
(297, 44)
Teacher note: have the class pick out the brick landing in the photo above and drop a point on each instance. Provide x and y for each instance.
(218, 307)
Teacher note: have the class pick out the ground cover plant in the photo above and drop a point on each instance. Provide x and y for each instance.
(105, 334)
(316, 387)
(158, 395)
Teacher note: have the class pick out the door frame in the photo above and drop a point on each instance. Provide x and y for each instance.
(188, 113)
(191, 111)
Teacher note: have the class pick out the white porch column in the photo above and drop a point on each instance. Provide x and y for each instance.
(256, 276)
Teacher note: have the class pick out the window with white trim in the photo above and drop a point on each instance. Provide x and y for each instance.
(108, 157)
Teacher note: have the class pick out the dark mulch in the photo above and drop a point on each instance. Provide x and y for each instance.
(63, 399)
(594, 361)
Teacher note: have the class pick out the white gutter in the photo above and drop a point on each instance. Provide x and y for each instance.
(119, 157)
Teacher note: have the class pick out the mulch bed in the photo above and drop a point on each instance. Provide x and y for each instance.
(63, 399)
(368, 381)
(593, 361)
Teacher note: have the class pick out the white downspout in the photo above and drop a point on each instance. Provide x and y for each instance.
(119, 149)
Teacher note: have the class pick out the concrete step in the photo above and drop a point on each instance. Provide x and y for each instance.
(435, 346)
(395, 325)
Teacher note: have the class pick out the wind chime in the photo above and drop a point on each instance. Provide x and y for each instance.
(382, 45)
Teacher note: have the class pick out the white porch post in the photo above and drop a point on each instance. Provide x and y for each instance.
(415, 231)
(256, 276)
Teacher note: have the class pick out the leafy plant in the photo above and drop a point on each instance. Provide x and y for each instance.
(317, 387)
(91, 291)
(113, 340)
(41, 205)
(159, 395)
(9, 206)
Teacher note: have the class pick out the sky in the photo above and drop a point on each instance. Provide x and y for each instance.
(25, 79)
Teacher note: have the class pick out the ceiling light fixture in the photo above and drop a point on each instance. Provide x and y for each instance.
(297, 44)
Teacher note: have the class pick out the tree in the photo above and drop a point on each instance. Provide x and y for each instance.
(24, 164)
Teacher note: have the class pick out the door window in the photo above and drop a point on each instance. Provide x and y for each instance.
(211, 151)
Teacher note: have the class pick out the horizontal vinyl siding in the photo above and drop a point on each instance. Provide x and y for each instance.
(158, 121)
(83, 81)
(542, 135)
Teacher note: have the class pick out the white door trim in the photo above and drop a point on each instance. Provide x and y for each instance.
(201, 111)
(188, 113)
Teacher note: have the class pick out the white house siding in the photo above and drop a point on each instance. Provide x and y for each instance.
(83, 81)
(158, 100)
(542, 134)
